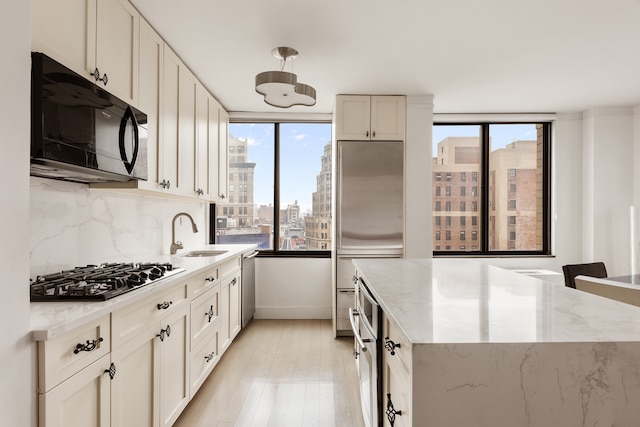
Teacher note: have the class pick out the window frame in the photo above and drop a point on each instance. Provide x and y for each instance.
(275, 251)
(482, 179)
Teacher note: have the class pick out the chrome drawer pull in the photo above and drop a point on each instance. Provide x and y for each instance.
(391, 412)
(164, 305)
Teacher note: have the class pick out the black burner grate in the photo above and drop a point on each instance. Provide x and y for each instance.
(98, 282)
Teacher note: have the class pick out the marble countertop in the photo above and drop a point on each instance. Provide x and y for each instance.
(466, 301)
(50, 319)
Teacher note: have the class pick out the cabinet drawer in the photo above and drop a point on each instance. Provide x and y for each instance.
(133, 319)
(202, 284)
(64, 356)
(204, 358)
(345, 298)
(230, 266)
(402, 349)
(205, 314)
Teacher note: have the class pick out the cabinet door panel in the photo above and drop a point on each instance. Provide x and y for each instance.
(205, 314)
(234, 307)
(214, 138)
(117, 48)
(187, 131)
(204, 358)
(134, 389)
(174, 367)
(151, 59)
(223, 157)
(65, 31)
(81, 401)
(202, 142)
(388, 118)
(353, 117)
(169, 134)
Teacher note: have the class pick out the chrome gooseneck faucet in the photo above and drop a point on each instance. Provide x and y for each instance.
(178, 245)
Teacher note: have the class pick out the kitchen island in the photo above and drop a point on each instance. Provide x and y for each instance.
(468, 344)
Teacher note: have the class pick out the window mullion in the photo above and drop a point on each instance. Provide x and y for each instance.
(484, 200)
(276, 188)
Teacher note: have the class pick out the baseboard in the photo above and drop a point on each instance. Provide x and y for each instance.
(292, 313)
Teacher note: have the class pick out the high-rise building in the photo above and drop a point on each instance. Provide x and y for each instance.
(239, 208)
(513, 199)
(318, 225)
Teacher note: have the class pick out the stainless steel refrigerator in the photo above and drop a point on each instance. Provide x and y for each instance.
(369, 210)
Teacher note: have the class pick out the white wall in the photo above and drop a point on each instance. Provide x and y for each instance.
(17, 387)
(293, 288)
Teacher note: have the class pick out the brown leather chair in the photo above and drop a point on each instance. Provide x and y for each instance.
(593, 269)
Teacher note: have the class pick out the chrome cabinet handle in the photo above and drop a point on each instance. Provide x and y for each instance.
(210, 279)
(209, 313)
(165, 184)
(234, 281)
(199, 192)
(89, 346)
(209, 357)
(373, 134)
(352, 314)
(366, 134)
(221, 196)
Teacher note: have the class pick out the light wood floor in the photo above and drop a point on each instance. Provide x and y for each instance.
(280, 373)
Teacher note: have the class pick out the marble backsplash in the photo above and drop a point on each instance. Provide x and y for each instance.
(72, 225)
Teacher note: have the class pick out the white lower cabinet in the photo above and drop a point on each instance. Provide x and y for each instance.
(396, 381)
(83, 400)
(141, 364)
(134, 397)
(230, 322)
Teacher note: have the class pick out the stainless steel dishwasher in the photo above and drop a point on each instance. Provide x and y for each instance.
(248, 287)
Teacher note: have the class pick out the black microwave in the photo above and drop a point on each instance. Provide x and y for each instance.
(79, 131)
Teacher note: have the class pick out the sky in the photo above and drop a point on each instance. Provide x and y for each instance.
(301, 148)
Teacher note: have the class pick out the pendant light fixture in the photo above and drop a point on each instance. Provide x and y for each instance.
(280, 88)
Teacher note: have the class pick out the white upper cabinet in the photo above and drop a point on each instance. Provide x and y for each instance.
(86, 35)
(223, 155)
(151, 67)
(364, 117)
(116, 55)
(187, 132)
(214, 138)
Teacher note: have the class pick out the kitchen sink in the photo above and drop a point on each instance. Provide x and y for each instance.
(204, 253)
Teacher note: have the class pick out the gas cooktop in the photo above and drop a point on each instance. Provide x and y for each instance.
(98, 282)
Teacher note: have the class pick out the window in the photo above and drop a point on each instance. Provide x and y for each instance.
(437, 191)
(463, 221)
(448, 235)
(508, 164)
(447, 206)
(448, 221)
(282, 190)
(438, 206)
(437, 219)
(438, 178)
(447, 191)
(438, 235)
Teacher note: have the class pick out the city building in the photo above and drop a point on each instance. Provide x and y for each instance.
(318, 225)
(514, 204)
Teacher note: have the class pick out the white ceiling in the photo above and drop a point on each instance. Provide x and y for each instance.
(474, 56)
